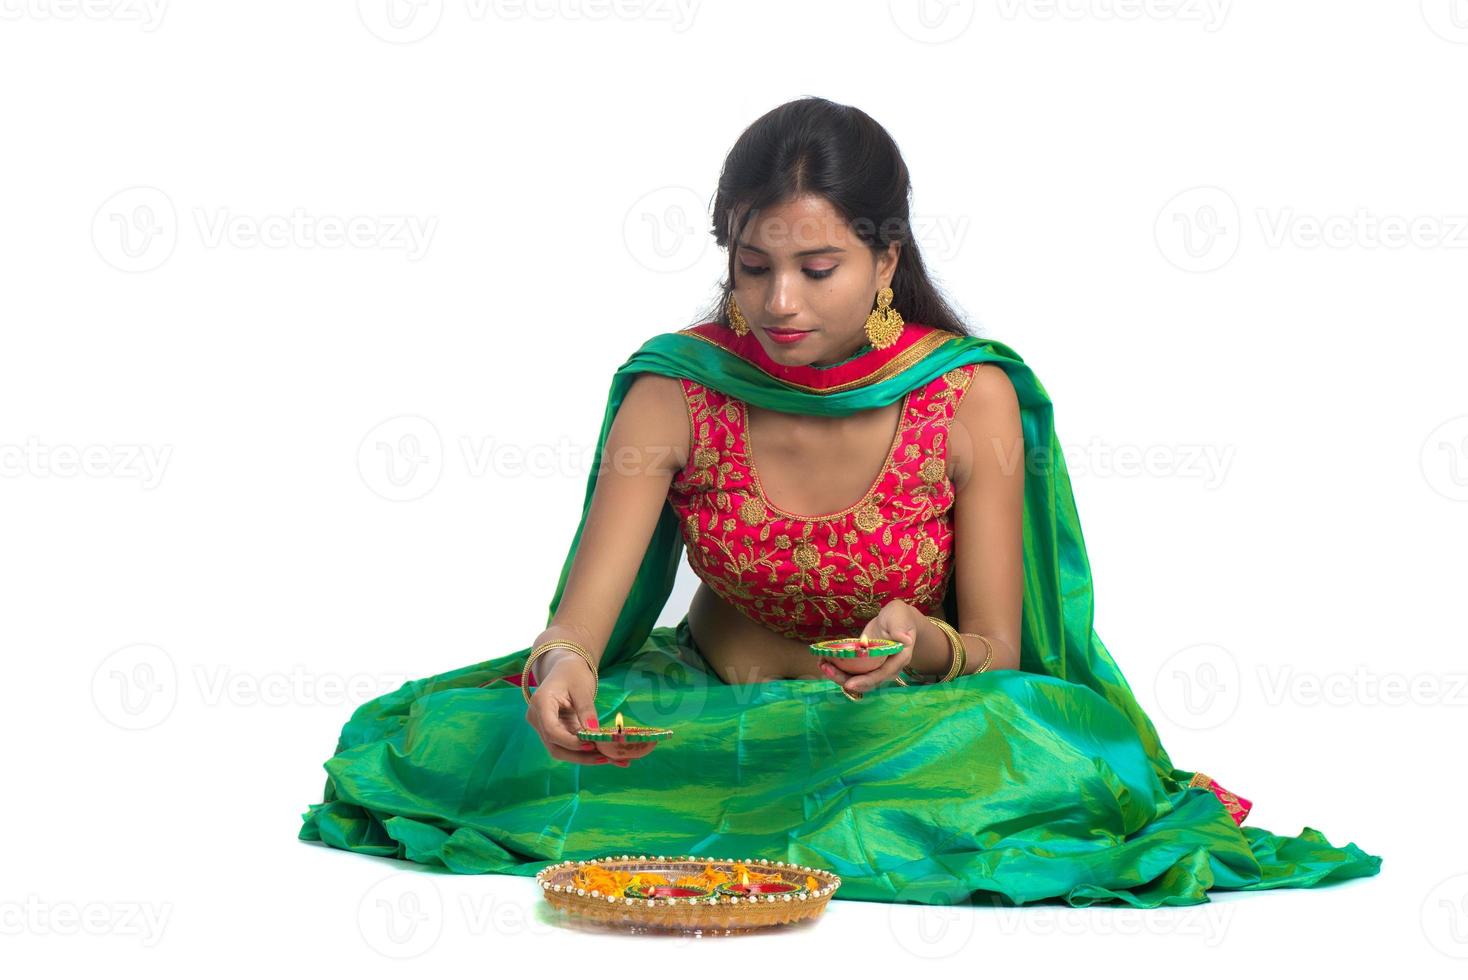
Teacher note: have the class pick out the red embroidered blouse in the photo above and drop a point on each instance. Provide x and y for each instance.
(823, 576)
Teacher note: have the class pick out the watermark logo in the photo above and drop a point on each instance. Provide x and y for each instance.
(1211, 14)
(36, 917)
(129, 461)
(665, 229)
(1198, 230)
(941, 925)
(401, 458)
(135, 687)
(1198, 687)
(931, 21)
(1448, 19)
(407, 21)
(147, 14)
(402, 915)
(136, 229)
(400, 21)
(1444, 458)
(1445, 917)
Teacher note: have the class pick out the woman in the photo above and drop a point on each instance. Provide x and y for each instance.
(1000, 754)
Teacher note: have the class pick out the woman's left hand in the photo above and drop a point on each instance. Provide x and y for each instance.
(897, 621)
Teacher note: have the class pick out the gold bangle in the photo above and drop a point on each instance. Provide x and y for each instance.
(960, 653)
(955, 645)
(988, 655)
(571, 645)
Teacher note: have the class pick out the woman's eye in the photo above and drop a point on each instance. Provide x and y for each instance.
(759, 270)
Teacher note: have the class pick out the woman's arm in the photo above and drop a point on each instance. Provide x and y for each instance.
(988, 547)
(646, 446)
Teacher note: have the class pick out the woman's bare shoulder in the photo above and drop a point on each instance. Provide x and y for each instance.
(656, 416)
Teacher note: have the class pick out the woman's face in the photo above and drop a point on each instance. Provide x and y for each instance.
(798, 266)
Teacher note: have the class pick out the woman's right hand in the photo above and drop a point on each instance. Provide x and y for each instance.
(562, 703)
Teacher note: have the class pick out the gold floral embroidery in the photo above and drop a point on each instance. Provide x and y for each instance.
(752, 511)
(820, 575)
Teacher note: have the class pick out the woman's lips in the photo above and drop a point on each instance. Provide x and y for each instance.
(786, 336)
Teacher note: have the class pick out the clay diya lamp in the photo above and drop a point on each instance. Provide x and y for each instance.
(744, 887)
(858, 655)
(620, 732)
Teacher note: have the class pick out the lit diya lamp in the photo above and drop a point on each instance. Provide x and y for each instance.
(620, 732)
(746, 887)
(858, 655)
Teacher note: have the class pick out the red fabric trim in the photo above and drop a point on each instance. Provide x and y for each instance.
(1236, 805)
(748, 348)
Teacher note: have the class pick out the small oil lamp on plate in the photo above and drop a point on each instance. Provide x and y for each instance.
(746, 887)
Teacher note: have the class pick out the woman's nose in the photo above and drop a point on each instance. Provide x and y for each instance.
(783, 299)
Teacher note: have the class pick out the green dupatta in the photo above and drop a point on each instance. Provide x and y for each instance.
(1087, 806)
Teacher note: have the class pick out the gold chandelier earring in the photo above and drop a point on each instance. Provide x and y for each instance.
(884, 324)
(736, 319)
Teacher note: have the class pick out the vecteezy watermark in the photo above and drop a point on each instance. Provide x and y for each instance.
(404, 915)
(1200, 229)
(1202, 686)
(1204, 462)
(403, 458)
(137, 687)
(666, 229)
(1362, 686)
(1199, 686)
(931, 21)
(407, 21)
(401, 916)
(1445, 916)
(137, 230)
(1208, 923)
(1362, 229)
(945, 922)
(1444, 458)
(147, 14)
(1448, 19)
(1209, 13)
(34, 916)
(125, 461)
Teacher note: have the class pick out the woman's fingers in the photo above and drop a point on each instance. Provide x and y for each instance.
(575, 755)
(544, 715)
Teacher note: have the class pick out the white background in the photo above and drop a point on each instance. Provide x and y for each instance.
(195, 390)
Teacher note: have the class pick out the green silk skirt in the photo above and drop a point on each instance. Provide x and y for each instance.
(1007, 787)
(1043, 784)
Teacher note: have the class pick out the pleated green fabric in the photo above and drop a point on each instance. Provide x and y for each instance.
(1044, 784)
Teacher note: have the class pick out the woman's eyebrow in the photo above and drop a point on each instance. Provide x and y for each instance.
(825, 250)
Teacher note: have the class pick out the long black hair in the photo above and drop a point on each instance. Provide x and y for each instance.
(815, 146)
